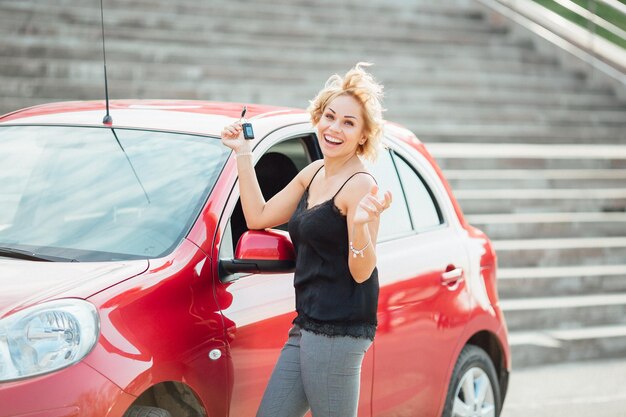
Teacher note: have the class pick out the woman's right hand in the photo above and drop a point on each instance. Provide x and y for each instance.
(232, 137)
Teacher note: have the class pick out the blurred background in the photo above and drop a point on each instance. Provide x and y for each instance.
(522, 102)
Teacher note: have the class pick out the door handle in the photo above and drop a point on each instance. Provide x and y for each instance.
(452, 277)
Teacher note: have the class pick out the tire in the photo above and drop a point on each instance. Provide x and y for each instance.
(474, 373)
(142, 411)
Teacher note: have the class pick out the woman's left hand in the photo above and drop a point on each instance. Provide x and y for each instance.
(370, 206)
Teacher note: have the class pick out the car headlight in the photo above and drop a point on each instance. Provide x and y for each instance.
(46, 337)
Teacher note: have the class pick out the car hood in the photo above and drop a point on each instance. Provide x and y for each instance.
(24, 283)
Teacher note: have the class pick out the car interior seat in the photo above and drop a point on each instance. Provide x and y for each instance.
(274, 171)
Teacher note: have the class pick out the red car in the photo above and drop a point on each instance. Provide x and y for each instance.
(129, 284)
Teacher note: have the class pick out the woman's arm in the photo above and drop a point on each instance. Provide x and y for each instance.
(258, 213)
(363, 211)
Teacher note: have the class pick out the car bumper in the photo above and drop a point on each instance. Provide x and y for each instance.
(75, 391)
(505, 371)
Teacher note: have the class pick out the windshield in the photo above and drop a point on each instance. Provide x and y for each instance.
(94, 194)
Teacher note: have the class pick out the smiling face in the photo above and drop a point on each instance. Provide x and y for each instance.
(340, 130)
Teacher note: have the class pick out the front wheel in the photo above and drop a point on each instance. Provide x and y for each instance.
(141, 411)
(474, 390)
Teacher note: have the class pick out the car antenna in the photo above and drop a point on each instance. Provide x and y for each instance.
(131, 166)
(107, 118)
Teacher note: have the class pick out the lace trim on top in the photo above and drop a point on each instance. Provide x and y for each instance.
(330, 201)
(330, 329)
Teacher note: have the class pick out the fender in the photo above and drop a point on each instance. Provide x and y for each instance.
(482, 322)
(136, 352)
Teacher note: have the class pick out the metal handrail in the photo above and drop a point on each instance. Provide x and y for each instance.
(620, 7)
(601, 54)
(592, 17)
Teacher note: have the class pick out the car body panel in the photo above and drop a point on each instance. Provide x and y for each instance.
(55, 395)
(71, 279)
(161, 326)
(195, 117)
(161, 320)
(420, 319)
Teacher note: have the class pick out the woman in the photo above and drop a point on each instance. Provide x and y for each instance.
(333, 211)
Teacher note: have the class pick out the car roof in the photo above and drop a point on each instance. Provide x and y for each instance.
(186, 116)
(189, 116)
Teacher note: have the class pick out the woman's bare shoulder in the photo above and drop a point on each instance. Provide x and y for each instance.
(307, 173)
(360, 183)
(355, 188)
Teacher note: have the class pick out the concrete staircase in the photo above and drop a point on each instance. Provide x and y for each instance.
(556, 216)
(535, 152)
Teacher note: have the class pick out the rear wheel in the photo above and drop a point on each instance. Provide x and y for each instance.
(474, 389)
(141, 411)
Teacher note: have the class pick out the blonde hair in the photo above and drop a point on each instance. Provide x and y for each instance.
(360, 85)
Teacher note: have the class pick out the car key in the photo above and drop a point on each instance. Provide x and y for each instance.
(248, 133)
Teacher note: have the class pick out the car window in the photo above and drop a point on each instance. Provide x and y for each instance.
(97, 194)
(424, 211)
(295, 149)
(395, 221)
(274, 170)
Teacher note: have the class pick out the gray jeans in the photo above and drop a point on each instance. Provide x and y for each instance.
(317, 372)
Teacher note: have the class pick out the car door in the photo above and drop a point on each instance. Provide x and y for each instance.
(260, 308)
(424, 302)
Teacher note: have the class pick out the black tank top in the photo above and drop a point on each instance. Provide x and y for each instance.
(328, 300)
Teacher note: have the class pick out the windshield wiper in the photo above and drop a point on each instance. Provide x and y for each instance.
(30, 256)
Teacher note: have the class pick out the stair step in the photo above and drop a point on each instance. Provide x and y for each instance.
(314, 59)
(498, 183)
(561, 281)
(10, 85)
(560, 251)
(572, 312)
(467, 113)
(550, 225)
(523, 156)
(513, 96)
(486, 131)
(529, 244)
(236, 47)
(10, 104)
(233, 49)
(555, 138)
(221, 18)
(147, 89)
(541, 200)
(527, 178)
(451, 8)
(266, 32)
(77, 88)
(90, 65)
(82, 89)
(540, 151)
(526, 163)
(529, 348)
(544, 175)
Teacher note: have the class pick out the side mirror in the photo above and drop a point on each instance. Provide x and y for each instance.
(261, 252)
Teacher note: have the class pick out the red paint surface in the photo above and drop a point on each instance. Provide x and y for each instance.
(75, 391)
(160, 321)
(270, 245)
